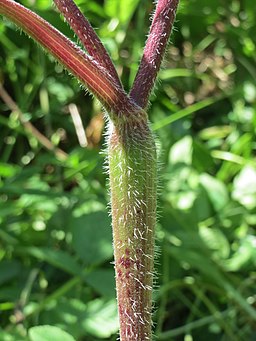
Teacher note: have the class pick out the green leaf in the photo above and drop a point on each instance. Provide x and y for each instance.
(49, 333)
(103, 281)
(245, 187)
(168, 74)
(215, 240)
(8, 270)
(186, 112)
(198, 259)
(92, 237)
(245, 255)
(13, 336)
(121, 9)
(181, 151)
(59, 259)
(102, 319)
(201, 158)
(8, 170)
(202, 205)
(96, 317)
(216, 190)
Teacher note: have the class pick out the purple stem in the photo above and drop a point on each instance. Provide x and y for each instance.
(87, 36)
(82, 66)
(159, 34)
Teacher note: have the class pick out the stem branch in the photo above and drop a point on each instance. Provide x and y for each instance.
(87, 36)
(154, 51)
(84, 67)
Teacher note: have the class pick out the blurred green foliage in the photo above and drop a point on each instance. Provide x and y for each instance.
(55, 233)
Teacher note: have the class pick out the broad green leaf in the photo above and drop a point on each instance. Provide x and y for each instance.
(103, 281)
(49, 333)
(102, 319)
(181, 187)
(92, 237)
(96, 317)
(215, 132)
(244, 190)
(39, 4)
(226, 156)
(216, 190)
(181, 151)
(216, 241)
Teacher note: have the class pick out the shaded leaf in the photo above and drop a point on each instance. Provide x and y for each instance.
(92, 237)
(57, 258)
(8, 270)
(103, 281)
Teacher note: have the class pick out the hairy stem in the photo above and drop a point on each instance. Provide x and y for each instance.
(154, 51)
(131, 148)
(87, 35)
(132, 173)
(84, 67)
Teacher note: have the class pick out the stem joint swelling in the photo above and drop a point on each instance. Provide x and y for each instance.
(131, 147)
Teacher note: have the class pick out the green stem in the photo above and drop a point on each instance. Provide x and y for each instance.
(132, 173)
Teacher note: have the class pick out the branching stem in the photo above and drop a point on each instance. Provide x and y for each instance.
(87, 36)
(132, 156)
(84, 67)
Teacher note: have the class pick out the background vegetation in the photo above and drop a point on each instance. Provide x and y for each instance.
(55, 234)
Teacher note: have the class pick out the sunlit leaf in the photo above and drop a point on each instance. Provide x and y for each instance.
(245, 187)
(7, 170)
(216, 241)
(103, 314)
(49, 333)
(216, 191)
(244, 256)
(121, 9)
(181, 151)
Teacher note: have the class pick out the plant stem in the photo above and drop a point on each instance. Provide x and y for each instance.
(132, 173)
(84, 67)
(154, 50)
(131, 147)
(87, 36)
